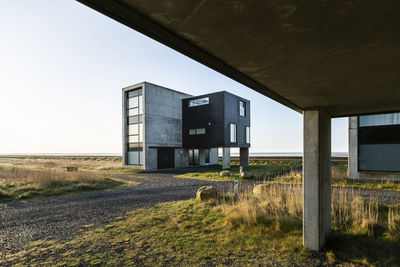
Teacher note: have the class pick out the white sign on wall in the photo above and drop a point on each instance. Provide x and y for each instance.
(199, 102)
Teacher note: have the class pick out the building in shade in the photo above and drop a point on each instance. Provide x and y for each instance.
(374, 146)
(164, 128)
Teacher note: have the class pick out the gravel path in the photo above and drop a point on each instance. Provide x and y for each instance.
(62, 217)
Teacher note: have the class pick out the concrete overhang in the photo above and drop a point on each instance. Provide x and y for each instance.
(342, 56)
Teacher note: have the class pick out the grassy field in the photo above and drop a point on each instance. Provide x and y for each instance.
(289, 172)
(31, 178)
(252, 231)
(263, 170)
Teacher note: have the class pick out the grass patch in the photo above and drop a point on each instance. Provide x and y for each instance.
(263, 230)
(289, 172)
(263, 170)
(21, 183)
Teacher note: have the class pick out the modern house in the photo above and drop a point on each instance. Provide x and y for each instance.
(164, 128)
(374, 146)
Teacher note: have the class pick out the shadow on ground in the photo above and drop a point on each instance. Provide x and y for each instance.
(359, 249)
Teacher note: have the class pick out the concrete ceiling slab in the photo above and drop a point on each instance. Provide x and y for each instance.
(342, 56)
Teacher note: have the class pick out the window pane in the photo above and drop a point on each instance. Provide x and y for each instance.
(135, 119)
(134, 146)
(382, 119)
(140, 132)
(192, 131)
(233, 133)
(133, 129)
(140, 104)
(135, 92)
(133, 102)
(248, 135)
(242, 108)
(133, 157)
(133, 112)
(140, 157)
(201, 131)
(133, 138)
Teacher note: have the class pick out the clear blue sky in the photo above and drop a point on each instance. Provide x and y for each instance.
(62, 67)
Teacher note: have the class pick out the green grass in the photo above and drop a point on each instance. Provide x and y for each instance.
(259, 170)
(281, 171)
(192, 233)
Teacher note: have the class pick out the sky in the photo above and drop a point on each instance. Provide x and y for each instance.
(62, 68)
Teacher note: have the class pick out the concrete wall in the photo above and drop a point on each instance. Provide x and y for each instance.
(354, 172)
(162, 122)
(353, 151)
(214, 156)
(181, 158)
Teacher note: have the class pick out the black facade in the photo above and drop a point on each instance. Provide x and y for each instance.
(216, 120)
(379, 143)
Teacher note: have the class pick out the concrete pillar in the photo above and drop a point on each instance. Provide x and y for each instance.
(316, 178)
(226, 158)
(244, 156)
(353, 147)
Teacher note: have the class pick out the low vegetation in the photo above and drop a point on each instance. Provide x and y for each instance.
(37, 178)
(264, 230)
(261, 170)
(290, 172)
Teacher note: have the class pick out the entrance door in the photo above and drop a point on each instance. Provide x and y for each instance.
(165, 157)
(194, 157)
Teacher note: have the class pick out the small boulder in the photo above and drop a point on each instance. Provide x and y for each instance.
(246, 175)
(225, 173)
(260, 189)
(205, 193)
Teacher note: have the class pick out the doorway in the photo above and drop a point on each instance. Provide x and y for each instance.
(165, 157)
(194, 157)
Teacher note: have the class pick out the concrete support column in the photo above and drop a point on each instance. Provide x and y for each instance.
(316, 178)
(353, 147)
(226, 158)
(244, 156)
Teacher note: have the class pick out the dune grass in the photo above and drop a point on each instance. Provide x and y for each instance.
(264, 230)
(22, 183)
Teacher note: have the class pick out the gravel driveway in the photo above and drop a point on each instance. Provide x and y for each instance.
(62, 217)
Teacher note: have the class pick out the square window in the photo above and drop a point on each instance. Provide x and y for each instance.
(133, 102)
(192, 131)
(133, 129)
(133, 112)
(133, 138)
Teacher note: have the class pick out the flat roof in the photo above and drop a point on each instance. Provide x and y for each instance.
(342, 56)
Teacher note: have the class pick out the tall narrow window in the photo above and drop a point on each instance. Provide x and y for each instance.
(233, 133)
(134, 111)
(242, 108)
(248, 135)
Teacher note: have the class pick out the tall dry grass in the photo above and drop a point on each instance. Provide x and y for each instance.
(45, 177)
(282, 207)
(338, 174)
(394, 223)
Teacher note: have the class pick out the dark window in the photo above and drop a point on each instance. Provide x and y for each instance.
(242, 108)
(207, 156)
